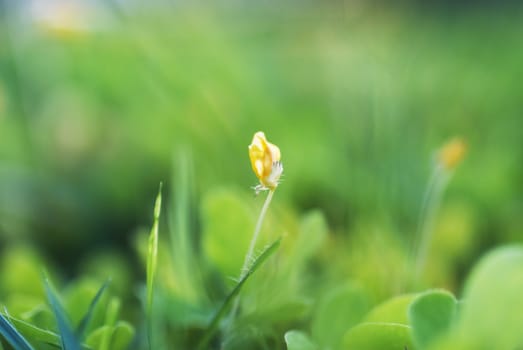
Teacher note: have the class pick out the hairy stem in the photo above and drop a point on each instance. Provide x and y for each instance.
(249, 257)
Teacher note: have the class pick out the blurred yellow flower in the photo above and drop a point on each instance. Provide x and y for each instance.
(452, 153)
(265, 162)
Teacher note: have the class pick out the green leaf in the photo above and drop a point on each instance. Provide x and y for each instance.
(280, 313)
(181, 313)
(98, 336)
(431, 315)
(378, 336)
(491, 315)
(111, 317)
(69, 340)
(82, 327)
(213, 326)
(297, 340)
(12, 336)
(123, 334)
(120, 336)
(394, 310)
(225, 215)
(341, 309)
(313, 231)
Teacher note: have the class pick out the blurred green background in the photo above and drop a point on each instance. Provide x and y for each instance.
(98, 100)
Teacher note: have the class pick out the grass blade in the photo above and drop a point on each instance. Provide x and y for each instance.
(82, 327)
(12, 336)
(152, 260)
(35, 334)
(213, 326)
(69, 339)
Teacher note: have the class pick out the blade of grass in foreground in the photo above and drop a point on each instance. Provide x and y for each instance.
(69, 339)
(152, 259)
(213, 326)
(13, 337)
(82, 327)
(35, 334)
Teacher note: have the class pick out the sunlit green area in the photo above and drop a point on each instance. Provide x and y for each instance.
(372, 240)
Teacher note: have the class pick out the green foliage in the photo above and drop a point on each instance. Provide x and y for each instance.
(68, 337)
(37, 335)
(111, 337)
(339, 310)
(394, 310)
(358, 106)
(227, 221)
(379, 336)
(385, 327)
(431, 315)
(312, 234)
(297, 340)
(12, 336)
(490, 316)
(213, 326)
(60, 333)
(84, 323)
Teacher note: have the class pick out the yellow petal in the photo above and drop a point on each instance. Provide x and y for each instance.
(263, 155)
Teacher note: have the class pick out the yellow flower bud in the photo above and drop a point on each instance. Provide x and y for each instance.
(265, 162)
(452, 153)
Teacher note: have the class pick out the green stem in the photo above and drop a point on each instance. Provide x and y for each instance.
(249, 257)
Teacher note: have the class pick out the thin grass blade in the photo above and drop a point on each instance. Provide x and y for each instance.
(152, 252)
(82, 327)
(12, 336)
(213, 326)
(152, 260)
(69, 339)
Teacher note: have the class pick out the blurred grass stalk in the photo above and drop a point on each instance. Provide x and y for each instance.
(429, 208)
(180, 223)
(152, 260)
(448, 157)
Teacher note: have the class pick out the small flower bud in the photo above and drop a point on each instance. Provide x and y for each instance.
(265, 161)
(452, 153)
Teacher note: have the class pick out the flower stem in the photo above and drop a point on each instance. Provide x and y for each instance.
(429, 208)
(249, 257)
